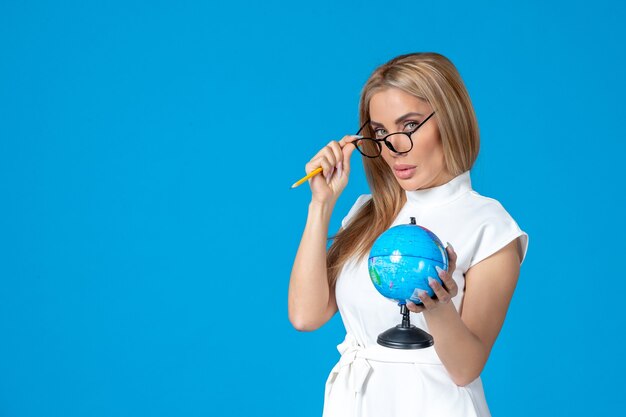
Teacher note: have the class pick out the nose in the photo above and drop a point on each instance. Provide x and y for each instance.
(394, 142)
(392, 149)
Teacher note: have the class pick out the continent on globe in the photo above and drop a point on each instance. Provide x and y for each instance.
(402, 259)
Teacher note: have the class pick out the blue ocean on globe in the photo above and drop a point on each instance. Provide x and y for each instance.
(402, 259)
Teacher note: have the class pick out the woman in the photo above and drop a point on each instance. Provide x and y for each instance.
(419, 105)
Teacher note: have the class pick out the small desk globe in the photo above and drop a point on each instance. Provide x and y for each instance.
(399, 263)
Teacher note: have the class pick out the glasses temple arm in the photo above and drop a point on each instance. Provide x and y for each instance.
(362, 127)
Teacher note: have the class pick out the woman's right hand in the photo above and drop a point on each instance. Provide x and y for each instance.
(334, 159)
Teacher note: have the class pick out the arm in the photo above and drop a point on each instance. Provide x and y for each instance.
(463, 341)
(311, 301)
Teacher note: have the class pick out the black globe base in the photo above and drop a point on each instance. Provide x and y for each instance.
(405, 335)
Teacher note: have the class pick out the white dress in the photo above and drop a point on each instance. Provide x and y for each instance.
(374, 381)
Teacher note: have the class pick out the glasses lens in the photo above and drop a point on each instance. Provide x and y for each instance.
(368, 147)
(400, 142)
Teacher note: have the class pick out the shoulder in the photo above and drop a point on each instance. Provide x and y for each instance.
(479, 209)
(490, 226)
(360, 202)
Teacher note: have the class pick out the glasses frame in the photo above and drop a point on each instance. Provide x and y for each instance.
(387, 143)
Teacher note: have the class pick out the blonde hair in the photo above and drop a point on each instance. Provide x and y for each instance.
(430, 77)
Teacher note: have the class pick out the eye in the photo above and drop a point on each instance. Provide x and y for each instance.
(379, 132)
(411, 125)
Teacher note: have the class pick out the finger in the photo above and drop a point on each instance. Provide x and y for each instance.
(313, 164)
(328, 170)
(440, 292)
(348, 145)
(451, 258)
(428, 302)
(414, 307)
(449, 283)
(323, 162)
(349, 141)
(451, 252)
(337, 152)
(328, 152)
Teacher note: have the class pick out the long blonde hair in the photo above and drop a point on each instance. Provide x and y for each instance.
(430, 77)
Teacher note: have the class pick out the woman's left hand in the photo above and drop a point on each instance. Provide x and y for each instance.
(444, 295)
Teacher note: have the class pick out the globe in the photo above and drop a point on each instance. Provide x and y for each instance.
(402, 259)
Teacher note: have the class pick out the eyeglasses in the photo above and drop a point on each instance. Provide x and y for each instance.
(402, 142)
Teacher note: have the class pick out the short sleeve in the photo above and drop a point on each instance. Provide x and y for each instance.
(496, 231)
(360, 201)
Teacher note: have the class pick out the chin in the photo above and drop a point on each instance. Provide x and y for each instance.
(409, 184)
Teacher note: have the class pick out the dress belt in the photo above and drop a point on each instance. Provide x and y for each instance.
(355, 363)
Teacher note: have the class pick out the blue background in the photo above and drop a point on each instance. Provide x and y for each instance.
(147, 227)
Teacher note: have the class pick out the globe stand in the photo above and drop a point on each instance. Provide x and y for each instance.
(405, 335)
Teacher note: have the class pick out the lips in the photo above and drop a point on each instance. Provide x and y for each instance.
(402, 167)
(404, 172)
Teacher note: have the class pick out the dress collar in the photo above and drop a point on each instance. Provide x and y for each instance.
(442, 193)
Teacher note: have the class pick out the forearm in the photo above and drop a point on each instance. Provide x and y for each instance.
(308, 287)
(460, 350)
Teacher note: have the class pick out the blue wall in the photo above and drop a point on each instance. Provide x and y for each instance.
(147, 228)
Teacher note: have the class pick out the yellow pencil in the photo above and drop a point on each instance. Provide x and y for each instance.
(309, 175)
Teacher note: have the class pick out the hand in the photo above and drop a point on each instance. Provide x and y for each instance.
(444, 293)
(334, 159)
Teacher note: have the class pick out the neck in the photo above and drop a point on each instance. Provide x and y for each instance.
(448, 188)
(442, 178)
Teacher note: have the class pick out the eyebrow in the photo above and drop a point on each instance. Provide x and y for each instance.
(399, 119)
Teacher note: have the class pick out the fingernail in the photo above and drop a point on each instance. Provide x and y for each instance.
(439, 270)
(431, 281)
(357, 136)
(339, 169)
(449, 244)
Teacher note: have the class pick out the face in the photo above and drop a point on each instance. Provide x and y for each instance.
(393, 110)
